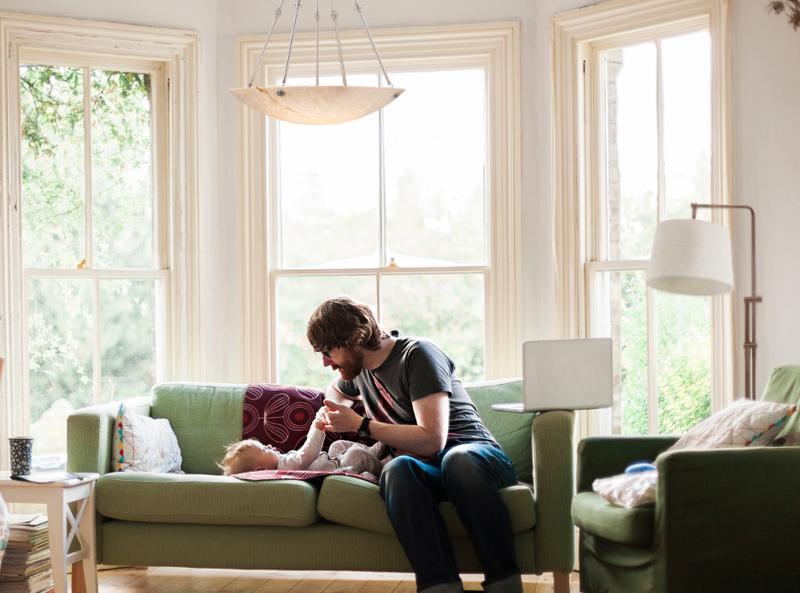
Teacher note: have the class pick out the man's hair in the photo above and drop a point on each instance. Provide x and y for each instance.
(343, 323)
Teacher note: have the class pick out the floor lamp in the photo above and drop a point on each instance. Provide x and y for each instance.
(694, 257)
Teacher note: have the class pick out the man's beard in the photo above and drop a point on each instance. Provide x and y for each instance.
(352, 366)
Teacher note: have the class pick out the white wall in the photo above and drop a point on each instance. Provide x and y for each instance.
(766, 135)
(766, 132)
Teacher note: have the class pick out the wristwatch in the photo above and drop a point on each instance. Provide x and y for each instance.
(363, 429)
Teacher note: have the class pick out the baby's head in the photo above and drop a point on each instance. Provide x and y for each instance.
(247, 456)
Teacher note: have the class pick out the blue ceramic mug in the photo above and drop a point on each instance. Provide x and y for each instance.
(21, 455)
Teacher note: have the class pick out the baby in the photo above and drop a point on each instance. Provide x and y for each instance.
(251, 455)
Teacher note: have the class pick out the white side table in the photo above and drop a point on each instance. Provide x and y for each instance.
(62, 525)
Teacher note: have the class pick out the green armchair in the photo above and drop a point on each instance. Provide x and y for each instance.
(724, 519)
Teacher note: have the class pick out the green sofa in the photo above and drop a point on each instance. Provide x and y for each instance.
(203, 519)
(724, 519)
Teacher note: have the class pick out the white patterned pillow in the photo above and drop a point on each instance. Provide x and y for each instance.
(145, 444)
(744, 423)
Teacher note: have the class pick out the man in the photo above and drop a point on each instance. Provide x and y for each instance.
(415, 404)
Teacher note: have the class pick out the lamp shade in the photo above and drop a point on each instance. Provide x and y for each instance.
(567, 374)
(691, 257)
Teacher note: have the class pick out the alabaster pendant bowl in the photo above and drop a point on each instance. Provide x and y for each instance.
(317, 105)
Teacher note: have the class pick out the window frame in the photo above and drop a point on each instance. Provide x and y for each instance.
(493, 46)
(172, 55)
(577, 39)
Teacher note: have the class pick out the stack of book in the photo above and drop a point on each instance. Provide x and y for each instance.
(26, 563)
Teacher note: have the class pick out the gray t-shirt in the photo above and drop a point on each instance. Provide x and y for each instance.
(416, 368)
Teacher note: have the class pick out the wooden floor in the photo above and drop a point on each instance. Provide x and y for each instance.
(186, 580)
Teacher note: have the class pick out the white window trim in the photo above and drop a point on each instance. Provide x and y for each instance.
(494, 44)
(575, 36)
(176, 51)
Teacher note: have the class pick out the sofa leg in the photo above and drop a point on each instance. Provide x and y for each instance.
(560, 582)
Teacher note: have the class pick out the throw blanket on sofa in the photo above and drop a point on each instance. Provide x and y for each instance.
(299, 474)
(281, 415)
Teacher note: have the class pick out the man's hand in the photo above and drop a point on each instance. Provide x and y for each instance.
(341, 418)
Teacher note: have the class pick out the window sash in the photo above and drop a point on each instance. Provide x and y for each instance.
(598, 197)
(95, 277)
(158, 121)
(332, 69)
(91, 274)
(377, 273)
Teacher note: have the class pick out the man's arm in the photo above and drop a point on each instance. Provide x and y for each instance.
(333, 394)
(426, 438)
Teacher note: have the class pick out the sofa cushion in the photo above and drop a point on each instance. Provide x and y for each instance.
(205, 500)
(357, 503)
(617, 524)
(205, 418)
(512, 430)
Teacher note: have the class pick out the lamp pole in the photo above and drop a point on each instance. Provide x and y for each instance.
(750, 343)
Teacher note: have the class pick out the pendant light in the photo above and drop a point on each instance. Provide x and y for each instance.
(318, 104)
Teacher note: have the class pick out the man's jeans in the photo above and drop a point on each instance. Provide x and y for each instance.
(469, 476)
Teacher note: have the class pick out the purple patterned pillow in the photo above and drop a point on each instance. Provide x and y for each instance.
(280, 415)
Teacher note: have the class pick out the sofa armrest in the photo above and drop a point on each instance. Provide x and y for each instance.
(90, 432)
(601, 457)
(716, 508)
(553, 485)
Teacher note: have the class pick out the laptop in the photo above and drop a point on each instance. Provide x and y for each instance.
(565, 375)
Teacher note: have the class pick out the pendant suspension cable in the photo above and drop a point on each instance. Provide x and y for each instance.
(335, 17)
(266, 43)
(316, 21)
(360, 12)
(291, 41)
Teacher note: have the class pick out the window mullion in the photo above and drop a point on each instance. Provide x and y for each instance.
(96, 349)
(274, 210)
(617, 265)
(395, 270)
(661, 199)
(383, 248)
(661, 208)
(383, 242)
(87, 166)
(652, 364)
(88, 239)
(378, 287)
